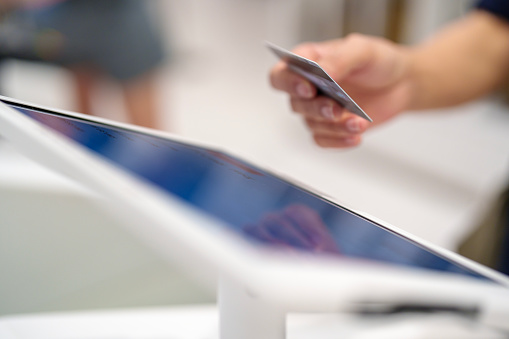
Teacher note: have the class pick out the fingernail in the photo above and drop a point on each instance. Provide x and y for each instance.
(327, 112)
(353, 125)
(304, 90)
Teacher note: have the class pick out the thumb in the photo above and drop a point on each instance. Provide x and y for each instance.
(308, 50)
(344, 57)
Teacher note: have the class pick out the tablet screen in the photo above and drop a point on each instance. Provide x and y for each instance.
(261, 208)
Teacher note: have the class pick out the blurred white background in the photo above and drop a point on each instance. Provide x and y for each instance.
(431, 174)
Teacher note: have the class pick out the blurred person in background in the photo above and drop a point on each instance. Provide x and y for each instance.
(95, 40)
(462, 62)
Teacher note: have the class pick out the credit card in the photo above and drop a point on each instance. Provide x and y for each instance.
(317, 76)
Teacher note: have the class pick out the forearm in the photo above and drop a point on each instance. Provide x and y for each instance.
(466, 60)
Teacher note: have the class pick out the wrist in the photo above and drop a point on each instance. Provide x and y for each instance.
(411, 95)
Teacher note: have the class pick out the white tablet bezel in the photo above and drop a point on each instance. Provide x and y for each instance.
(174, 229)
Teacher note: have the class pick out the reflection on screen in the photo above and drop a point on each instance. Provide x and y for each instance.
(258, 206)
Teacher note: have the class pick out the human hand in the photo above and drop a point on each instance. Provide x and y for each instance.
(373, 71)
(297, 227)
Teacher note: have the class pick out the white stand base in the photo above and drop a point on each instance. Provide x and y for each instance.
(201, 322)
(244, 316)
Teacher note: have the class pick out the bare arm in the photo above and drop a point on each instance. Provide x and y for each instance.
(464, 61)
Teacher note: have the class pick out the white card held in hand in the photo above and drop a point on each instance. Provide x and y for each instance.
(316, 75)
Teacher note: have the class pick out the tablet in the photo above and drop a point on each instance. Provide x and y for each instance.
(217, 215)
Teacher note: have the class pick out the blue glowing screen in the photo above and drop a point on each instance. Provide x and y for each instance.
(258, 206)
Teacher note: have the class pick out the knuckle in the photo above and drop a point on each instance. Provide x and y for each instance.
(361, 43)
(322, 141)
(278, 76)
(310, 124)
(274, 77)
(302, 47)
(307, 49)
(356, 38)
(337, 127)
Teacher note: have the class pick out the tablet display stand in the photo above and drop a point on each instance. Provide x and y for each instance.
(241, 315)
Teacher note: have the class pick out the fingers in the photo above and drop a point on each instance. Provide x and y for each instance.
(321, 108)
(327, 113)
(295, 227)
(309, 222)
(348, 59)
(276, 228)
(281, 78)
(337, 142)
(345, 132)
(348, 125)
(339, 58)
(330, 124)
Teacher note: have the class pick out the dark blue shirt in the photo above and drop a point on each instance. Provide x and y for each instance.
(498, 7)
